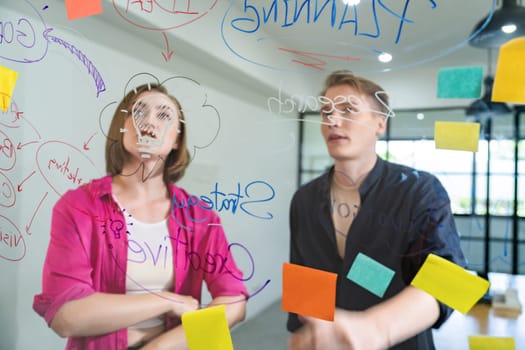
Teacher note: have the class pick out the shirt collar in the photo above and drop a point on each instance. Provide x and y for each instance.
(375, 174)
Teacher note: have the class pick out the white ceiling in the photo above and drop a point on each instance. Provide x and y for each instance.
(233, 38)
(431, 30)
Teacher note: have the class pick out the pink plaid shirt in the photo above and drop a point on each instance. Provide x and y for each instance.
(88, 252)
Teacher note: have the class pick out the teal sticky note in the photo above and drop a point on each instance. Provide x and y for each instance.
(370, 274)
(460, 82)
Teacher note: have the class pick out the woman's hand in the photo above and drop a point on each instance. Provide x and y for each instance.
(180, 304)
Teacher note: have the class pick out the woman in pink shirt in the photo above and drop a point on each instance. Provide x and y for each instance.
(128, 252)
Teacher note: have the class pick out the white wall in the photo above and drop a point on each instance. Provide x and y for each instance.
(61, 111)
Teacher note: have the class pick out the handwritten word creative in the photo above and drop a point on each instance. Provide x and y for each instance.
(211, 262)
(232, 201)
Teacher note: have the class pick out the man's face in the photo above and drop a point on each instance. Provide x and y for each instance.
(350, 124)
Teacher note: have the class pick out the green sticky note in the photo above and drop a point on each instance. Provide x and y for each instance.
(460, 82)
(207, 329)
(8, 79)
(370, 274)
(485, 342)
(458, 136)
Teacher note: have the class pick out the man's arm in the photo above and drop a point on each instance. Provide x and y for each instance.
(379, 327)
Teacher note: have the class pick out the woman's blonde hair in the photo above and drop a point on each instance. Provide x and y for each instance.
(177, 160)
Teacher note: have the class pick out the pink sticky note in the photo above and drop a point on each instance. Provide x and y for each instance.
(83, 8)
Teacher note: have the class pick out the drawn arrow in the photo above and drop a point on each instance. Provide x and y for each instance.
(86, 143)
(18, 116)
(20, 144)
(167, 55)
(24, 180)
(34, 214)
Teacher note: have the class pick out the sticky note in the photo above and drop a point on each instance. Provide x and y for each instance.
(308, 291)
(485, 342)
(460, 82)
(370, 274)
(450, 283)
(207, 329)
(509, 80)
(459, 136)
(7, 86)
(82, 8)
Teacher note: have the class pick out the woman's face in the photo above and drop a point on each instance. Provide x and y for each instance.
(151, 128)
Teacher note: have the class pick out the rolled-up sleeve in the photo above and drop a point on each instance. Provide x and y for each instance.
(434, 231)
(67, 272)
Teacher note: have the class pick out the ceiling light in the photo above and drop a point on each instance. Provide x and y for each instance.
(420, 116)
(384, 57)
(492, 34)
(509, 28)
(351, 2)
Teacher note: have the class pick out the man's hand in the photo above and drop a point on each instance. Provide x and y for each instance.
(350, 330)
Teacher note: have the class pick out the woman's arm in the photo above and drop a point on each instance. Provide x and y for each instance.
(101, 313)
(235, 308)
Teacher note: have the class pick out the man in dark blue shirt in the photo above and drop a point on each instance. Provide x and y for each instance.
(391, 213)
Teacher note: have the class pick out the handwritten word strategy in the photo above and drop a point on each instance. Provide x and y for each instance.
(289, 13)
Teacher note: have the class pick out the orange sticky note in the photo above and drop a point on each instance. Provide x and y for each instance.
(485, 342)
(450, 283)
(83, 8)
(459, 136)
(7, 85)
(207, 329)
(509, 81)
(308, 292)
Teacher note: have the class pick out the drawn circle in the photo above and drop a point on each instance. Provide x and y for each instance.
(25, 46)
(7, 152)
(12, 243)
(7, 192)
(152, 8)
(66, 172)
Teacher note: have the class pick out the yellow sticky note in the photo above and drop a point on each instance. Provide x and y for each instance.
(485, 342)
(207, 329)
(459, 136)
(7, 85)
(509, 81)
(450, 283)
